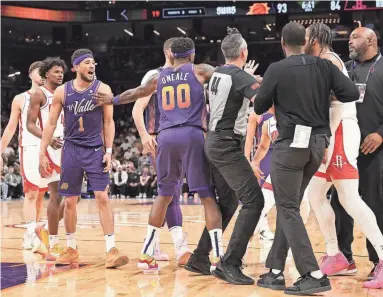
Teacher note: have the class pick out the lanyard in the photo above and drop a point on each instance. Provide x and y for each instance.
(369, 71)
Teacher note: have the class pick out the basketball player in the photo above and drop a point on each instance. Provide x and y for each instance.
(34, 187)
(148, 130)
(183, 113)
(340, 170)
(85, 127)
(269, 134)
(254, 130)
(52, 69)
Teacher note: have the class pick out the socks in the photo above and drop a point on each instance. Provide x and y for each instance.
(148, 247)
(276, 271)
(31, 226)
(53, 240)
(177, 236)
(110, 242)
(332, 248)
(216, 242)
(316, 274)
(71, 241)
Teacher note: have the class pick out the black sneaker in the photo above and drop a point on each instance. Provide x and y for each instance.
(371, 275)
(272, 281)
(198, 264)
(307, 285)
(232, 274)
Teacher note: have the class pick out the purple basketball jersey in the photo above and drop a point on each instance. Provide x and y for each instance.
(264, 117)
(181, 99)
(83, 119)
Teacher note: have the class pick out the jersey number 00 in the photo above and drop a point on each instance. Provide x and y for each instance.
(169, 99)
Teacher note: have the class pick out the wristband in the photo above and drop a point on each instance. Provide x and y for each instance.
(116, 100)
(108, 150)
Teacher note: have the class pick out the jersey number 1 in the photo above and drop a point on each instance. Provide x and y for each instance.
(169, 99)
(81, 124)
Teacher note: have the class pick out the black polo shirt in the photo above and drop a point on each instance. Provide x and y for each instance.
(370, 112)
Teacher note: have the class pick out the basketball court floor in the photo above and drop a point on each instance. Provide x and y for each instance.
(24, 274)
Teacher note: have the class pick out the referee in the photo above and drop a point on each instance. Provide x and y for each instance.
(230, 89)
(299, 86)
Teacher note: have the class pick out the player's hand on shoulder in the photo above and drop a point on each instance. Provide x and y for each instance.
(56, 143)
(107, 160)
(103, 95)
(250, 67)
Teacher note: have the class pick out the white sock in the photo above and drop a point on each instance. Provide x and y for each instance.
(31, 226)
(276, 271)
(316, 274)
(177, 235)
(216, 242)
(263, 223)
(110, 242)
(332, 248)
(71, 241)
(148, 247)
(53, 240)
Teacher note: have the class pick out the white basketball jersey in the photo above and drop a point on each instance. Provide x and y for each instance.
(340, 111)
(44, 115)
(25, 137)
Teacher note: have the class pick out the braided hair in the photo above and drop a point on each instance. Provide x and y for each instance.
(322, 33)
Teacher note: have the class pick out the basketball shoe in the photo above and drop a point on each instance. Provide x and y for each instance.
(331, 265)
(68, 256)
(377, 282)
(147, 263)
(114, 259)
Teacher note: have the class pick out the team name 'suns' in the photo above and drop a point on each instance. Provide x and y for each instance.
(82, 106)
(175, 76)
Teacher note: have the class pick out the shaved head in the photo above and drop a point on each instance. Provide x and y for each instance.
(363, 44)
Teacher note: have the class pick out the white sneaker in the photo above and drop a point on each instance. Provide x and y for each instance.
(28, 240)
(144, 196)
(266, 235)
(183, 253)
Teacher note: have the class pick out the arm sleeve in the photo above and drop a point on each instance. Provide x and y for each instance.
(246, 84)
(266, 93)
(344, 89)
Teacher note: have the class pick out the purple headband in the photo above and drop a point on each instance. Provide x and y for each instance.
(81, 58)
(185, 54)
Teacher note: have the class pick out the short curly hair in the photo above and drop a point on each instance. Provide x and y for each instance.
(49, 63)
(182, 45)
(80, 52)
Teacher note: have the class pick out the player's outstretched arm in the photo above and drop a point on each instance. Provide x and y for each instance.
(49, 129)
(13, 121)
(204, 72)
(250, 134)
(37, 100)
(109, 128)
(130, 95)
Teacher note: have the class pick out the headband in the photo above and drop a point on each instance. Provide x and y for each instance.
(81, 58)
(185, 54)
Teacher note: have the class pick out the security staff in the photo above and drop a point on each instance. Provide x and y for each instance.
(366, 70)
(299, 87)
(230, 91)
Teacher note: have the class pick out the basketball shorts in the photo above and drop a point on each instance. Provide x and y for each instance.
(77, 160)
(267, 183)
(342, 153)
(29, 167)
(54, 157)
(181, 150)
(265, 165)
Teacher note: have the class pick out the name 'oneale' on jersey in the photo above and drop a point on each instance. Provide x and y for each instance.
(83, 118)
(181, 98)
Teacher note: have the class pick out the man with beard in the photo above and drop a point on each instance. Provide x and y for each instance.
(366, 70)
(340, 169)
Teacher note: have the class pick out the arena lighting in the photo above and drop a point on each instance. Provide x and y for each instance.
(156, 32)
(182, 31)
(14, 74)
(128, 32)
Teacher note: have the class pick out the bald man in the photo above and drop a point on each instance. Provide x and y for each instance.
(366, 70)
